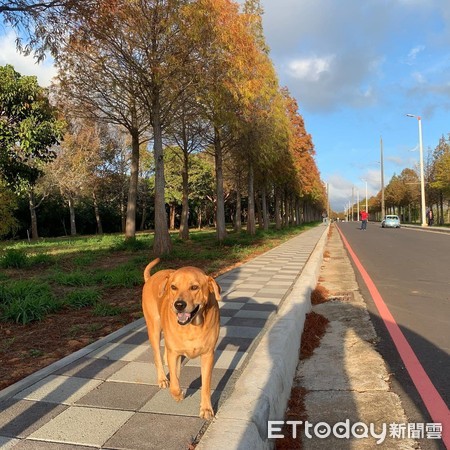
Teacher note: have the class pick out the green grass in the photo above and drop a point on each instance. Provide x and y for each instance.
(104, 310)
(81, 298)
(26, 301)
(86, 266)
(14, 258)
(76, 277)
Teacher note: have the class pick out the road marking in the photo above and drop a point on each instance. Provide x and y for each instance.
(433, 401)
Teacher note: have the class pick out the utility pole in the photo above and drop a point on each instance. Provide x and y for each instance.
(383, 208)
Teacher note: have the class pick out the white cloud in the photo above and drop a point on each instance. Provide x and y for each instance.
(309, 69)
(412, 55)
(25, 65)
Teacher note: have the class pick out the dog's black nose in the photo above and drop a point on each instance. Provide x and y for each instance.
(180, 305)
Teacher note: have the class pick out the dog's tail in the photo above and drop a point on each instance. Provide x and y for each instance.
(149, 268)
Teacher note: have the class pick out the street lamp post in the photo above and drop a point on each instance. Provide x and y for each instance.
(367, 207)
(422, 180)
(357, 205)
(383, 208)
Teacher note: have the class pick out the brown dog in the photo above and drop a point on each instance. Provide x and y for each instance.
(183, 304)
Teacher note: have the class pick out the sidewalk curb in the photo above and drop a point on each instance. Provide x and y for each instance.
(264, 387)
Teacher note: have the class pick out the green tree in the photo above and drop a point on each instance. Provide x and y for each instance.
(8, 204)
(28, 129)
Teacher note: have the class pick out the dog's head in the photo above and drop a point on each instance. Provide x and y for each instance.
(188, 291)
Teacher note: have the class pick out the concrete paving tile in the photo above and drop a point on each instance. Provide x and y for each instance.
(237, 300)
(234, 343)
(137, 338)
(58, 389)
(230, 305)
(85, 426)
(99, 369)
(234, 295)
(123, 396)
(147, 355)
(283, 276)
(247, 322)
(29, 444)
(19, 418)
(224, 320)
(252, 306)
(163, 403)
(252, 314)
(136, 372)
(123, 352)
(224, 359)
(190, 378)
(252, 287)
(145, 431)
(244, 332)
(268, 300)
(272, 292)
(6, 442)
(228, 312)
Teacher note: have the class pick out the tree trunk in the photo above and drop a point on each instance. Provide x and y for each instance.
(220, 205)
(97, 214)
(144, 212)
(199, 220)
(277, 209)
(264, 208)
(184, 223)
(441, 208)
(251, 226)
(238, 216)
(259, 211)
(32, 205)
(172, 210)
(73, 227)
(162, 243)
(130, 227)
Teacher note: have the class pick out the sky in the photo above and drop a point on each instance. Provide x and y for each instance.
(356, 68)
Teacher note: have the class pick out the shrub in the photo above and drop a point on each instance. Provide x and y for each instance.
(26, 301)
(122, 276)
(13, 258)
(82, 298)
(74, 278)
(104, 309)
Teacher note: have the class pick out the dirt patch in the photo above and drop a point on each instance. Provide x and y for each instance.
(319, 295)
(313, 331)
(24, 349)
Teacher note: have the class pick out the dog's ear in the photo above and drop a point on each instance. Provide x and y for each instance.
(164, 286)
(214, 288)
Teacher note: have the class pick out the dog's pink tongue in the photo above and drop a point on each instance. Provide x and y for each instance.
(183, 317)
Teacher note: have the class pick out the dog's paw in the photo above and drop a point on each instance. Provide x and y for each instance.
(178, 396)
(206, 413)
(163, 383)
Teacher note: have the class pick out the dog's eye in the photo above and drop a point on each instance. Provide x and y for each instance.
(173, 287)
(194, 288)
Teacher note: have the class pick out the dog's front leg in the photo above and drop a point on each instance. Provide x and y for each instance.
(154, 334)
(174, 361)
(207, 362)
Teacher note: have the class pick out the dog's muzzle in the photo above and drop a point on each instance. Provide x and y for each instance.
(183, 316)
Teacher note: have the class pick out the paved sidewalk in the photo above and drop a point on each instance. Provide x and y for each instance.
(105, 395)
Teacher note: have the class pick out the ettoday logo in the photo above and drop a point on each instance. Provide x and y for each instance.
(357, 430)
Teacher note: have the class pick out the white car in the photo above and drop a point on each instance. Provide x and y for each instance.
(390, 221)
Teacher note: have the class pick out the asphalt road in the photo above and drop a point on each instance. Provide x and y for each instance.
(411, 270)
